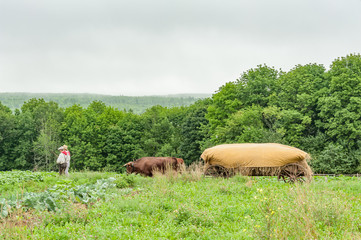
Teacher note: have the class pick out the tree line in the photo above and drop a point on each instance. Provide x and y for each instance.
(136, 104)
(308, 107)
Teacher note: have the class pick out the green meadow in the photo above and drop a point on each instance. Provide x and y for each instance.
(103, 205)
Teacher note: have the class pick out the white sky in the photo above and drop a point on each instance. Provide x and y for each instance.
(147, 47)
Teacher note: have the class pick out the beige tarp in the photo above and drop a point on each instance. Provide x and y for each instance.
(253, 155)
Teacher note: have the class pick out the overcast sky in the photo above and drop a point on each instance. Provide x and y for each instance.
(148, 47)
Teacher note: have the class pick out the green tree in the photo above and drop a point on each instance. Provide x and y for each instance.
(224, 104)
(158, 131)
(243, 126)
(292, 125)
(256, 86)
(72, 134)
(336, 158)
(123, 143)
(192, 133)
(39, 126)
(299, 90)
(86, 132)
(340, 110)
(45, 146)
(8, 139)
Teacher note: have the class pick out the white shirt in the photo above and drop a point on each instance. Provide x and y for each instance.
(61, 159)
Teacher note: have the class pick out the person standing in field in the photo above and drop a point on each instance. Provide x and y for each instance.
(67, 158)
(61, 161)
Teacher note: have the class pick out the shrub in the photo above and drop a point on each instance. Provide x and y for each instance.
(335, 158)
(125, 181)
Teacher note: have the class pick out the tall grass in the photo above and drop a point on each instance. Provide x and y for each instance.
(193, 172)
(191, 206)
(306, 213)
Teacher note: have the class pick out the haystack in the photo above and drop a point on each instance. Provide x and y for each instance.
(256, 159)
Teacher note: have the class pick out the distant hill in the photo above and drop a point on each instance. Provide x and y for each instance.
(138, 104)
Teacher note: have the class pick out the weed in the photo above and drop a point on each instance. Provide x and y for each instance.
(180, 206)
(125, 181)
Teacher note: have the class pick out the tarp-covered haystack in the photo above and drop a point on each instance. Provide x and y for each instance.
(258, 159)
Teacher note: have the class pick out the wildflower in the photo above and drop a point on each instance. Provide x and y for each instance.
(244, 230)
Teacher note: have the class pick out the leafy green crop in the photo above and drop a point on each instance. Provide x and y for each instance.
(15, 176)
(53, 198)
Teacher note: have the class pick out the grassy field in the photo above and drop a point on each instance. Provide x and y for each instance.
(187, 206)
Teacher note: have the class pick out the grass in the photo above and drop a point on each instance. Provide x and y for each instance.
(190, 206)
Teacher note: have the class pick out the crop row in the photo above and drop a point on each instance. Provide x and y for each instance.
(55, 197)
(11, 177)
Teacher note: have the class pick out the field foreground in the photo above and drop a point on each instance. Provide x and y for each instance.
(94, 205)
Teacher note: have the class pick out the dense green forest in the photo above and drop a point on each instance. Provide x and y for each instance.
(308, 107)
(127, 103)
